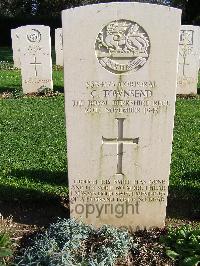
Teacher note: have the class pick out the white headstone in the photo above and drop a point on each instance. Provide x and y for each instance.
(199, 48)
(35, 54)
(59, 46)
(189, 54)
(16, 47)
(120, 88)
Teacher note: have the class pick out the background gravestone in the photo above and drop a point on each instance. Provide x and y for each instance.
(16, 47)
(199, 48)
(189, 54)
(59, 46)
(120, 88)
(35, 54)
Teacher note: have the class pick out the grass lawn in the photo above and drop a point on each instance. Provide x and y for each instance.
(33, 161)
(33, 147)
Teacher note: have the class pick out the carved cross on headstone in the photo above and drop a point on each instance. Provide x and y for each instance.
(61, 41)
(120, 141)
(35, 63)
(184, 64)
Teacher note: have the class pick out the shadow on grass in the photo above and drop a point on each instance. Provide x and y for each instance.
(192, 176)
(17, 89)
(41, 210)
(12, 89)
(31, 205)
(44, 176)
(184, 201)
(6, 54)
(58, 88)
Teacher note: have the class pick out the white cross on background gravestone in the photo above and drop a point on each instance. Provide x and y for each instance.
(189, 54)
(117, 95)
(184, 65)
(120, 141)
(35, 56)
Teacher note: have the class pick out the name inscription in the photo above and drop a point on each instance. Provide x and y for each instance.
(120, 97)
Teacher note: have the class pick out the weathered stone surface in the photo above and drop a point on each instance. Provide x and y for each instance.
(189, 55)
(16, 47)
(120, 86)
(59, 46)
(35, 55)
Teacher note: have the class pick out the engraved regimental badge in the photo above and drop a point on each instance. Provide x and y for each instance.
(186, 37)
(186, 42)
(34, 36)
(122, 46)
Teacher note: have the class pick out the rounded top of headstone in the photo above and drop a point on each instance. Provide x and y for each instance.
(135, 4)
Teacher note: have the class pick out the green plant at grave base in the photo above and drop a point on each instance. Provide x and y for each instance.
(5, 248)
(70, 243)
(183, 245)
(43, 90)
